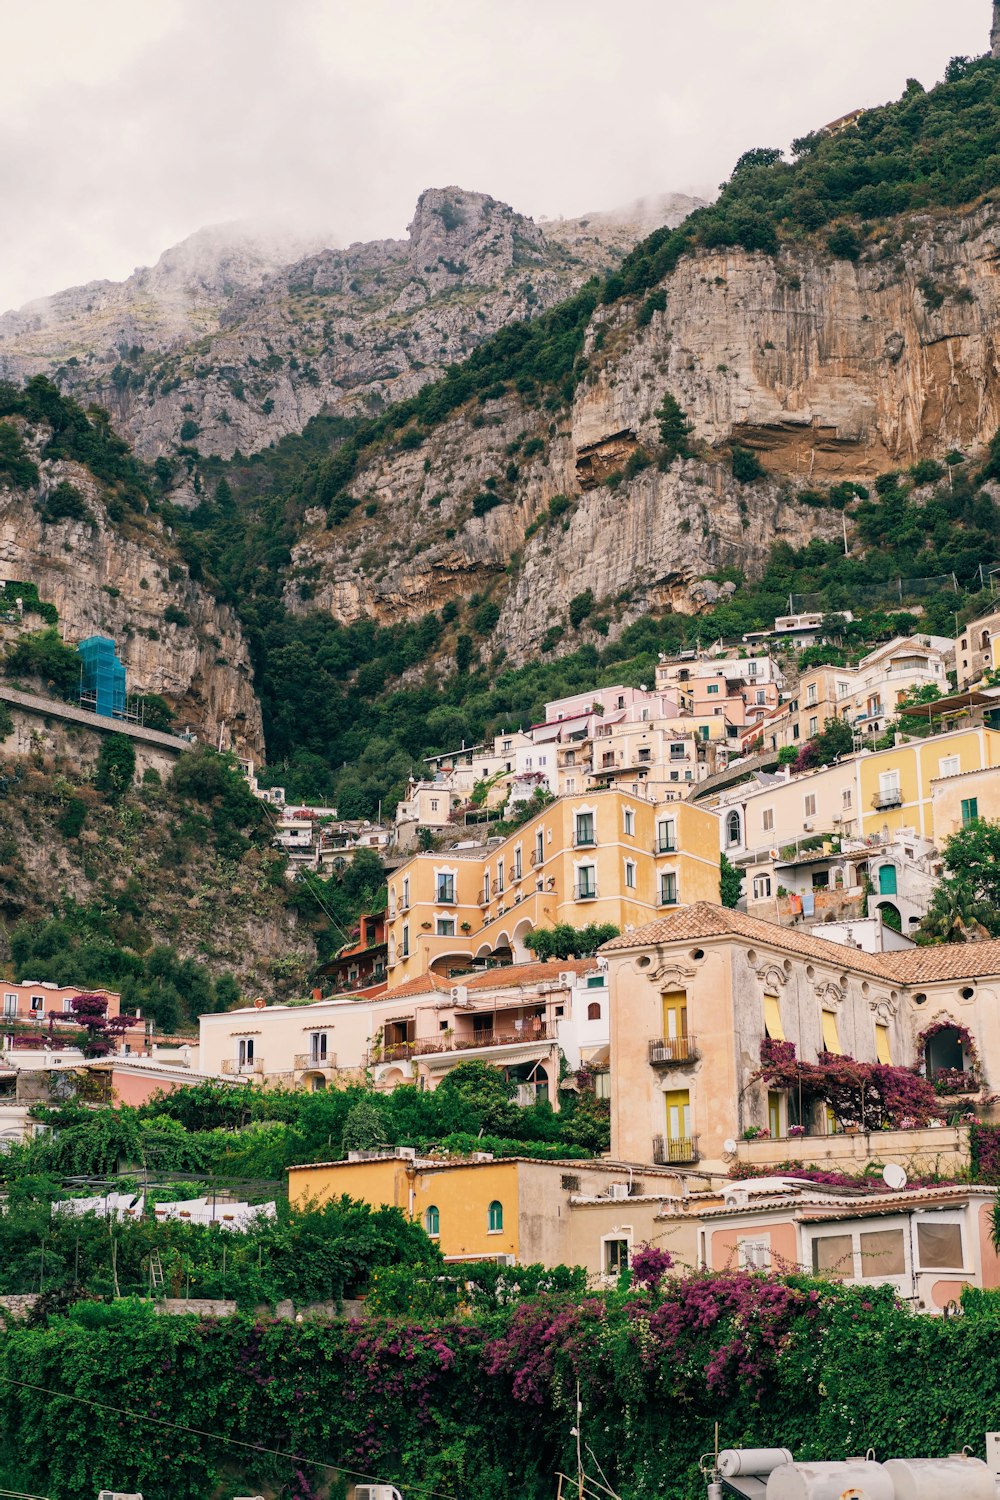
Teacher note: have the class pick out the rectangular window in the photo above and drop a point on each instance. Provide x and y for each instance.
(713, 687)
(317, 1046)
(406, 892)
(882, 1050)
(445, 888)
(630, 874)
(882, 1253)
(244, 1052)
(774, 1113)
(595, 981)
(406, 942)
(586, 882)
(847, 798)
(678, 1108)
(37, 1004)
(615, 1257)
(668, 889)
(585, 828)
(539, 847)
(10, 1005)
(500, 886)
(767, 819)
(949, 765)
(629, 816)
(754, 1255)
(833, 1255)
(809, 805)
(517, 863)
(667, 836)
(761, 887)
(434, 806)
(811, 693)
(970, 810)
(445, 927)
(486, 886)
(677, 752)
(813, 725)
(772, 1019)
(888, 787)
(831, 1036)
(939, 1246)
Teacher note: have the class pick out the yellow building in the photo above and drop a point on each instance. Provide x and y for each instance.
(895, 786)
(957, 801)
(603, 856)
(531, 1212)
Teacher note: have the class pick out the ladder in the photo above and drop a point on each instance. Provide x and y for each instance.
(156, 1278)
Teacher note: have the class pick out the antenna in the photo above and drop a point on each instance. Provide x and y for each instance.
(893, 1176)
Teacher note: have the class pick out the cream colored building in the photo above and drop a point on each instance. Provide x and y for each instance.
(695, 994)
(595, 858)
(959, 799)
(977, 650)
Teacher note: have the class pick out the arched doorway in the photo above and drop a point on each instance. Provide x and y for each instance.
(890, 915)
(944, 1052)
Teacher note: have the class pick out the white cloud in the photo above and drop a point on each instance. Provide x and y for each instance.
(124, 127)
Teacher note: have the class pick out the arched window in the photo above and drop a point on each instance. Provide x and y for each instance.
(594, 1010)
(432, 1222)
(496, 1217)
(733, 829)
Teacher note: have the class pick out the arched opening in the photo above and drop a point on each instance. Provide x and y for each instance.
(890, 915)
(432, 1221)
(732, 830)
(496, 1217)
(944, 1052)
(314, 1082)
(594, 1010)
(522, 954)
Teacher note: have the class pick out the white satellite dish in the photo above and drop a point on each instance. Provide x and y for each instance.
(893, 1175)
(729, 1146)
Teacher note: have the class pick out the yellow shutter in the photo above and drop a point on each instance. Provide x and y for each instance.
(831, 1040)
(674, 1016)
(772, 1019)
(882, 1051)
(774, 1114)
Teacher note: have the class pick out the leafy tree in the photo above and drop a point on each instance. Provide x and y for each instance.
(580, 606)
(115, 766)
(675, 429)
(16, 466)
(966, 904)
(730, 883)
(44, 654)
(364, 1127)
(747, 467)
(485, 1095)
(565, 941)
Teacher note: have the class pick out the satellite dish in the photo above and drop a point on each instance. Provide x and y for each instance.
(893, 1175)
(729, 1146)
(260, 1003)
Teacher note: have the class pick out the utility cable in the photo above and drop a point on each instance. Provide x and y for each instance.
(212, 1437)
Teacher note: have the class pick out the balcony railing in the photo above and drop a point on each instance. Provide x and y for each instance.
(883, 800)
(445, 896)
(585, 893)
(665, 846)
(667, 898)
(307, 1061)
(469, 1042)
(669, 1052)
(584, 840)
(670, 1150)
(243, 1069)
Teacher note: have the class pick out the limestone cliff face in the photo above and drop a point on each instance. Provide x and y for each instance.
(827, 369)
(235, 339)
(121, 579)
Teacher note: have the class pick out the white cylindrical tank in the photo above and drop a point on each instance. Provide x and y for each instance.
(855, 1479)
(734, 1461)
(955, 1478)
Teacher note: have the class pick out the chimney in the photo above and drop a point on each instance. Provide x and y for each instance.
(995, 33)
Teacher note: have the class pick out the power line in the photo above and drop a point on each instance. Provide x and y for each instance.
(212, 1437)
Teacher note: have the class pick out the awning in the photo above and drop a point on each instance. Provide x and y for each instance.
(600, 1057)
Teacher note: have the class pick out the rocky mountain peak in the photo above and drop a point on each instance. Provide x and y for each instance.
(480, 236)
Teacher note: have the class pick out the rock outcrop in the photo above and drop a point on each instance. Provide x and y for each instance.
(125, 579)
(827, 369)
(234, 339)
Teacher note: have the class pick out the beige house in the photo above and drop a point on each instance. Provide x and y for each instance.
(695, 994)
(976, 649)
(957, 800)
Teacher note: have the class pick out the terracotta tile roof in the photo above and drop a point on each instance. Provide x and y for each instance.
(914, 966)
(530, 973)
(943, 961)
(704, 920)
(424, 984)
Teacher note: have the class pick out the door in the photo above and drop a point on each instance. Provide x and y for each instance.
(774, 1114)
(678, 1104)
(317, 1046)
(675, 1026)
(887, 880)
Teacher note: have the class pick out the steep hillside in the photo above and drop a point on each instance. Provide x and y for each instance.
(233, 339)
(75, 523)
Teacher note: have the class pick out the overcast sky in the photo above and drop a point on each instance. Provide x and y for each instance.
(124, 126)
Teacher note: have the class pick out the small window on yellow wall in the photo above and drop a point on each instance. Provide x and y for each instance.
(496, 1217)
(831, 1037)
(882, 1051)
(772, 1019)
(432, 1221)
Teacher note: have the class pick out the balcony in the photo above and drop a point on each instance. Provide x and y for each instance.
(505, 1036)
(585, 893)
(670, 1151)
(585, 841)
(667, 898)
(230, 1065)
(883, 800)
(445, 896)
(665, 846)
(306, 1062)
(671, 1052)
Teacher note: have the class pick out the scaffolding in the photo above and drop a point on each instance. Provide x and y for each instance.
(102, 680)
